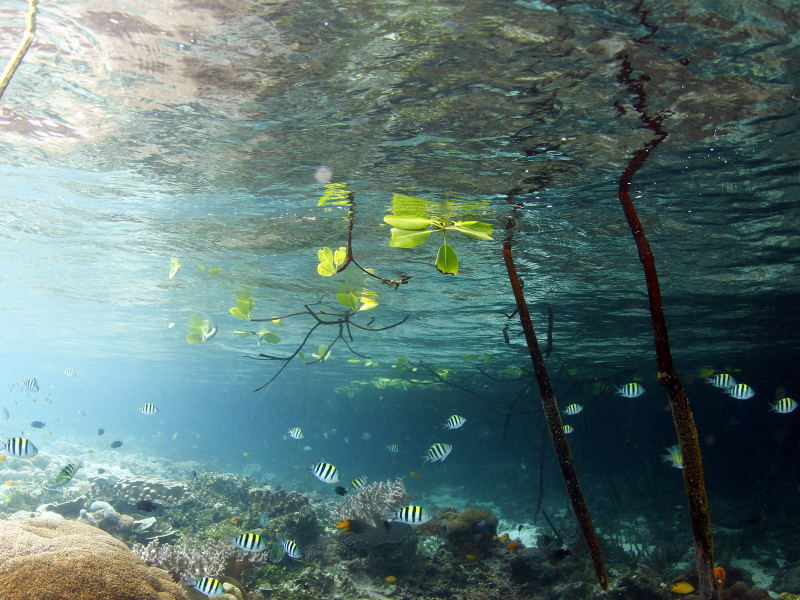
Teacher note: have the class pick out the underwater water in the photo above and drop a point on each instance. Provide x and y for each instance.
(226, 137)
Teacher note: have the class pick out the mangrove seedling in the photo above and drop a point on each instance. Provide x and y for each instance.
(200, 330)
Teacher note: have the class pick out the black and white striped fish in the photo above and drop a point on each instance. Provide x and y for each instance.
(630, 390)
(722, 380)
(29, 385)
(206, 585)
(148, 409)
(358, 484)
(783, 406)
(326, 473)
(296, 433)
(410, 515)
(573, 409)
(69, 372)
(454, 422)
(568, 428)
(438, 452)
(741, 391)
(291, 548)
(19, 447)
(393, 448)
(252, 542)
(68, 472)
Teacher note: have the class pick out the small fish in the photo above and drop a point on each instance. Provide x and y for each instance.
(296, 434)
(276, 553)
(251, 542)
(438, 452)
(68, 472)
(358, 484)
(147, 505)
(246, 454)
(673, 456)
(307, 448)
(5, 413)
(37, 424)
(454, 422)
(29, 385)
(206, 585)
(148, 409)
(100, 471)
(291, 548)
(741, 391)
(392, 578)
(723, 380)
(48, 432)
(326, 473)
(194, 472)
(352, 526)
(234, 521)
(410, 515)
(630, 390)
(573, 409)
(415, 475)
(394, 448)
(263, 519)
(116, 444)
(69, 372)
(568, 428)
(9, 482)
(340, 490)
(3, 457)
(366, 436)
(783, 406)
(682, 588)
(174, 436)
(81, 413)
(19, 447)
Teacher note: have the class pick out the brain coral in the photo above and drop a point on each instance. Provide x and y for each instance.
(43, 559)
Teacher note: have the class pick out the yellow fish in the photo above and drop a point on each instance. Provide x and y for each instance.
(174, 436)
(415, 475)
(391, 579)
(247, 454)
(682, 588)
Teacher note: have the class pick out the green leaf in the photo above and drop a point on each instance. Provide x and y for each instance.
(486, 357)
(175, 266)
(353, 360)
(325, 255)
(236, 312)
(409, 206)
(326, 269)
(340, 256)
(470, 357)
(404, 238)
(243, 334)
(302, 356)
(367, 303)
(321, 350)
(348, 300)
(243, 308)
(214, 271)
(201, 267)
(268, 337)
(410, 223)
(474, 229)
(194, 338)
(446, 259)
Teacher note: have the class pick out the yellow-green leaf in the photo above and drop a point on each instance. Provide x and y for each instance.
(486, 357)
(201, 267)
(194, 338)
(410, 223)
(353, 360)
(175, 266)
(474, 229)
(367, 304)
(214, 271)
(340, 256)
(409, 205)
(348, 300)
(325, 255)
(404, 238)
(446, 260)
(326, 269)
(470, 357)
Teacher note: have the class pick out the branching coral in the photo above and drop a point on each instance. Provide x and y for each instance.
(368, 506)
(213, 558)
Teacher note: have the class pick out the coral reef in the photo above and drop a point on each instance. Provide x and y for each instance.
(470, 532)
(291, 515)
(368, 506)
(212, 558)
(49, 559)
(163, 491)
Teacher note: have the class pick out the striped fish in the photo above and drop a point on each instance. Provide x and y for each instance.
(252, 542)
(410, 515)
(148, 409)
(68, 472)
(326, 473)
(454, 422)
(438, 452)
(20, 447)
(207, 585)
(573, 409)
(296, 434)
(29, 384)
(630, 390)
(783, 406)
(741, 391)
(568, 428)
(394, 448)
(358, 484)
(291, 548)
(69, 372)
(723, 380)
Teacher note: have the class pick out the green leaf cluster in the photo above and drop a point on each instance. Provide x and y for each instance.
(200, 330)
(329, 261)
(412, 226)
(266, 336)
(358, 303)
(335, 193)
(243, 308)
